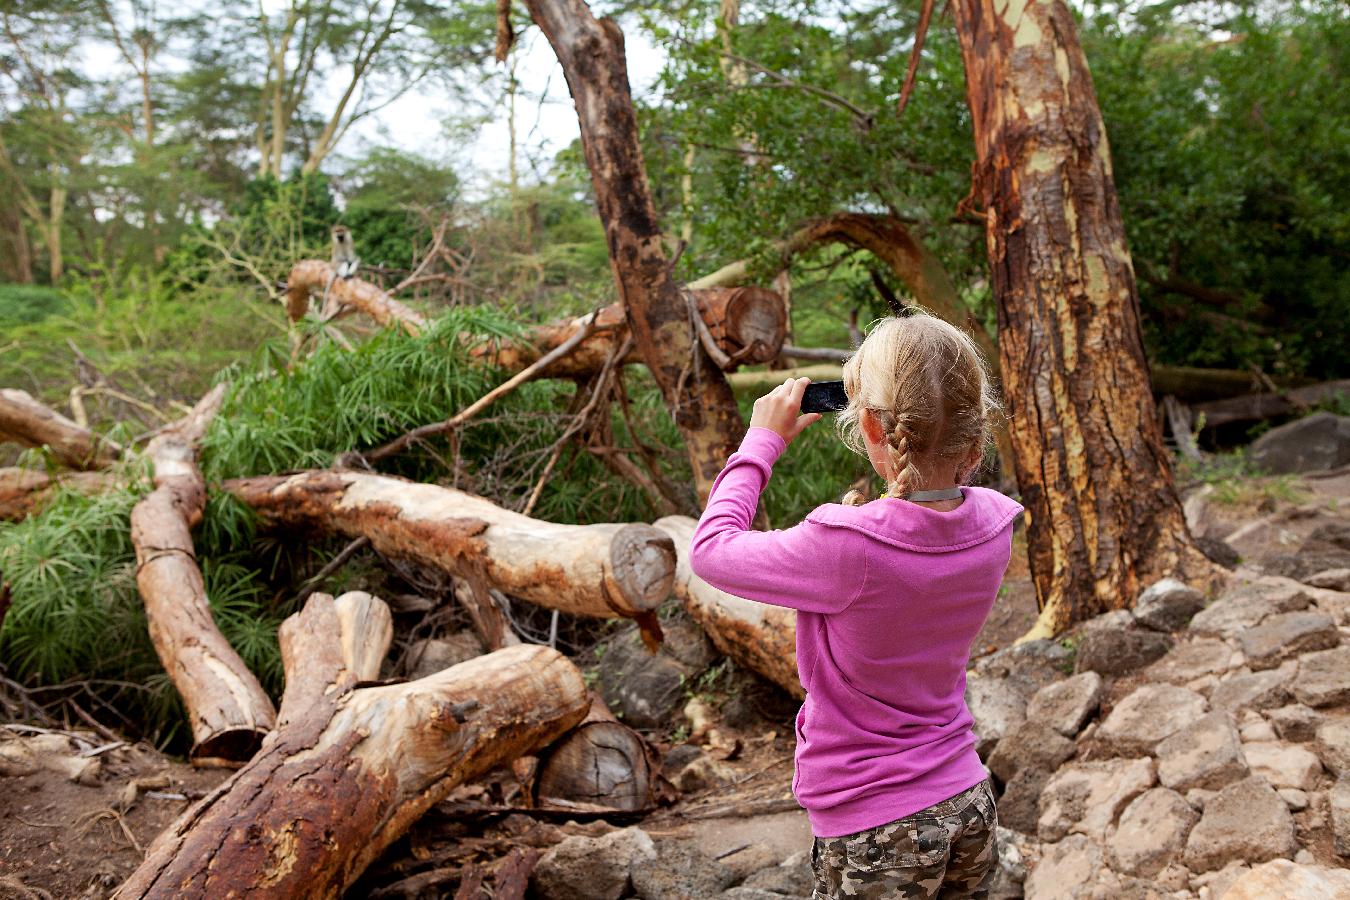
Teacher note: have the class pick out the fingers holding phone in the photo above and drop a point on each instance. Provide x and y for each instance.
(780, 410)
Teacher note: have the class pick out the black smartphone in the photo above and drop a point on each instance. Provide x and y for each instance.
(824, 396)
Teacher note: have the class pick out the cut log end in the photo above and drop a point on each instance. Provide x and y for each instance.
(642, 560)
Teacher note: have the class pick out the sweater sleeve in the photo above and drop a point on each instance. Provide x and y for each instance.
(807, 567)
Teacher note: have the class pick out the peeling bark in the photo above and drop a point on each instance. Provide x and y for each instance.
(592, 56)
(344, 296)
(1104, 516)
(227, 708)
(758, 636)
(25, 421)
(350, 768)
(602, 570)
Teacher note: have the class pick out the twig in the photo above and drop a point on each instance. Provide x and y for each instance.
(399, 444)
(920, 32)
(91, 721)
(337, 562)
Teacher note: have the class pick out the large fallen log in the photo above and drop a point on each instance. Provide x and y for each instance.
(25, 421)
(350, 768)
(602, 570)
(760, 637)
(1255, 407)
(227, 708)
(24, 492)
(746, 325)
(341, 296)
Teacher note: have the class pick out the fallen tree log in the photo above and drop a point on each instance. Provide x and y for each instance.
(1255, 407)
(344, 296)
(350, 768)
(600, 766)
(758, 636)
(24, 492)
(602, 570)
(227, 708)
(25, 421)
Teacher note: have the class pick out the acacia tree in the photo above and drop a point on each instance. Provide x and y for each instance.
(1105, 518)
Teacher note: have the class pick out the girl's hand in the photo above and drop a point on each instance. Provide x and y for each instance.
(780, 410)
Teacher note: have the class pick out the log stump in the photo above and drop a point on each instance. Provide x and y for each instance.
(601, 766)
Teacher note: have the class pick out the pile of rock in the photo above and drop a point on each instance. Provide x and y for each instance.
(1181, 746)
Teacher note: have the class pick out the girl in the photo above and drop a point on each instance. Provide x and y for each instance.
(890, 594)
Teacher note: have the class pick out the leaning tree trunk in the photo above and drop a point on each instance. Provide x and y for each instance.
(592, 56)
(602, 570)
(350, 768)
(25, 421)
(341, 296)
(228, 710)
(1105, 518)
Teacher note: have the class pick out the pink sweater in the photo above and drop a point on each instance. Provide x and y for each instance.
(889, 598)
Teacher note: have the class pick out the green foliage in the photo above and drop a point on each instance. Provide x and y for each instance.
(388, 188)
(23, 304)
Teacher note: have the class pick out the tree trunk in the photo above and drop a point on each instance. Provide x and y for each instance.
(227, 708)
(24, 492)
(344, 295)
(1255, 407)
(602, 570)
(1105, 519)
(758, 636)
(600, 766)
(25, 421)
(592, 56)
(350, 768)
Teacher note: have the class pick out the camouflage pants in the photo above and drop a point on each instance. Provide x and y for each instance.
(945, 851)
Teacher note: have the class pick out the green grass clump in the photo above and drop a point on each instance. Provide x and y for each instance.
(23, 304)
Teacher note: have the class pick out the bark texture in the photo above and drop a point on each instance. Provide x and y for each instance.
(227, 708)
(602, 570)
(25, 421)
(24, 492)
(350, 768)
(591, 53)
(1104, 516)
(756, 635)
(600, 766)
(344, 296)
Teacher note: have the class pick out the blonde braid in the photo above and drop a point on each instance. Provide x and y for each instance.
(904, 474)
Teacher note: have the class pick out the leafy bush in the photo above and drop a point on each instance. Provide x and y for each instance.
(22, 304)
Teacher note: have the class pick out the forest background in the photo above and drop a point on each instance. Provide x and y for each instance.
(150, 213)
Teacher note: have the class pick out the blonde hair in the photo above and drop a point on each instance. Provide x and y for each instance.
(926, 383)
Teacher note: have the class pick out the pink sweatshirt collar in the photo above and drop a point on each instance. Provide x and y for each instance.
(982, 516)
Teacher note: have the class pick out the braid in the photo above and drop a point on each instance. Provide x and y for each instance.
(904, 473)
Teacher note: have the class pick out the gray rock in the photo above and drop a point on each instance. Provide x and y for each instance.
(1311, 444)
(1195, 659)
(1219, 551)
(1114, 620)
(1152, 832)
(1030, 744)
(1288, 634)
(1339, 797)
(1065, 869)
(679, 871)
(431, 655)
(1247, 821)
(1148, 715)
(1029, 666)
(1295, 722)
(748, 860)
(1117, 651)
(1331, 579)
(1019, 805)
(1168, 605)
(794, 880)
(1324, 678)
(1332, 744)
(1085, 797)
(1284, 765)
(1254, 690)
(997, 706)
(1289, 881)
(742, 892)
(1205, 754)
(678, 757)
(1296, 800)
(1257, 732)
(1066, 705)
(644, 689)
(1246, 605)
(587, 868)
(703, 773)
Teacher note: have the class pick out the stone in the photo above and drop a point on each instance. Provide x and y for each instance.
(1290, 881)
(1168, 605)
(591, 868)
(1332, 744)
(1205, 754)
(1019, 805)
(997, 707)
(1189, 661)
(679, 871)
(1331, 579)
(679, 756)
(1118, 651)
(795, 880)
(1257, 732)
(1213, 885)
(1148, 715)
(1030, 744)
(1064, 869)
(1284, 765)
(1066, 705)
(1085, 797)
(748, 860)
(1296, 800)
(1219, 551)
(1151, 833)
(1028, 666)
(1313, 443)
(1245, 605)
(644, 690)
(1198, 797)
(431, 655)
(1254, 690)
(741, 892)
(1247, 821)
(703, 773)
(1339, 800)
(1324, 678)
(1108, 621)
(1288, 634)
